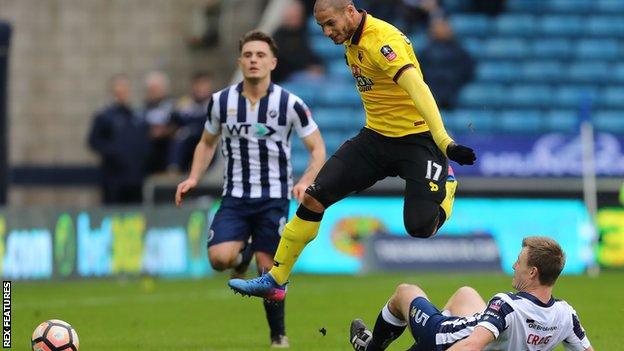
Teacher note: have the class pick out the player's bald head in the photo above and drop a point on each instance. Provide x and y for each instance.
(322, 5)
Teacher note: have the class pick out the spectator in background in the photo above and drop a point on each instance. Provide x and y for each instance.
(189, 117)
(488, 7)
(119, 136)
(308, 5)
(296, 58)
(382, 9)
(157, 114)
(418, 14)
(205, 26)
(445, 64)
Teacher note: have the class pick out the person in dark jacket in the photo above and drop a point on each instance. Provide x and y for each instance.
(445, 64)
(189, 116)
(296, 58)
(120, 137)
(157, 114)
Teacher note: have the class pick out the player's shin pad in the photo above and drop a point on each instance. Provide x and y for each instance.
(297, 234)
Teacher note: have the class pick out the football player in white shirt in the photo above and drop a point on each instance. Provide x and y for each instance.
(530, 319)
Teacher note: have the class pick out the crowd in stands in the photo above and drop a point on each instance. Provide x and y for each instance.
(446, 65)
(159, 136)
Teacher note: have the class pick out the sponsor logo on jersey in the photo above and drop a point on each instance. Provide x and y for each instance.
(532, 324)
(388, 53)
(261, 130)
(363, 83)
(533, 339)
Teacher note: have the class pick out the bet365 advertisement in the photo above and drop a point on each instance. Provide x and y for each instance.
(41, 244)
(482, 234)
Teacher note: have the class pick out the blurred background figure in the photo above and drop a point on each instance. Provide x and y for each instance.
(205, 24)
(119, 136)
(189, 117)
(382, 9)
(489, 7)
(446, 65)
(417, 13)
(157, 114)
(296, 60)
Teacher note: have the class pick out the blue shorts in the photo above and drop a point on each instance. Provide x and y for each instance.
(424, 323)
(237, 219)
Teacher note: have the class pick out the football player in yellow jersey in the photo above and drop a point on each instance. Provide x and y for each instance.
(404, 135)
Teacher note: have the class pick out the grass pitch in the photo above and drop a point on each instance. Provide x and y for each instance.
(148, 314)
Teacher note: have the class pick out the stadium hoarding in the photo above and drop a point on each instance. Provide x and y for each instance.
(545, 155)
(610, 250)
(478, 251)
(340, 246)
(48, 243)
(166, 241)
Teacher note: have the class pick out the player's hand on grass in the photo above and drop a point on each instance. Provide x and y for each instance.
(461, 154)
(184, 188)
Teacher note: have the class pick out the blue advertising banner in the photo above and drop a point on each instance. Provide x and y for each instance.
(546, 155)
(44, 244)
(340, 245)
(445, 252)
(51, 244)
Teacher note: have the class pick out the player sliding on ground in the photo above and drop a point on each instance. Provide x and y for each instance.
(531, 319)
(404, 135)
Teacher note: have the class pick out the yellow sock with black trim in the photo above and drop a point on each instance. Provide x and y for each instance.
(449, 199)
(297, 234)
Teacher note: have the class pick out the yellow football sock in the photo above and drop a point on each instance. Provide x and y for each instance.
(297, 234)
(449, 199)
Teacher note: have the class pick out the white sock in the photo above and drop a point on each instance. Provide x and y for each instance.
(390, 318)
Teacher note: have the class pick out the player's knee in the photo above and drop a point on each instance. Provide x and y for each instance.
(403, 296)
(218, 262)
(408, 290)
(218, 266)
(419, 229)
(466, 291)
(313, 198)
(421, 218)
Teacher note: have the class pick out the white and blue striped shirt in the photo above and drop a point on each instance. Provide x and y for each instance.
(520, 322)
(255, 139)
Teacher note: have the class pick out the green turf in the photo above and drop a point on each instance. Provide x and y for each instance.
(146, 314)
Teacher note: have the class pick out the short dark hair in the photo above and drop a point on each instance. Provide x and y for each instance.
(257, 35)
(200, 75)
(546, 255)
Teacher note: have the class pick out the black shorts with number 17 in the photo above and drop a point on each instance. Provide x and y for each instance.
(369, 157)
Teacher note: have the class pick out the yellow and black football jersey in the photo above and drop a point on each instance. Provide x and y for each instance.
(377, 54)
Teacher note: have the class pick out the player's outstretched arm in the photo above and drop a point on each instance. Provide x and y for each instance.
(316, 148)
(204, 151)
(479, 338)
(418, 90)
